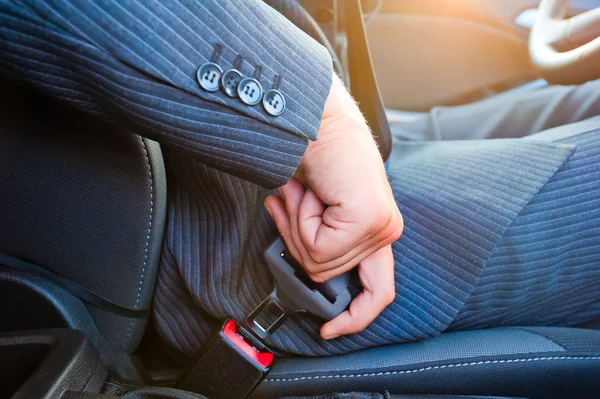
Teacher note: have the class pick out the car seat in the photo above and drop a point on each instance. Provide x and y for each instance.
(82, 212)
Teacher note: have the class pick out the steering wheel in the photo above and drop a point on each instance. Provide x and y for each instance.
(552, 32)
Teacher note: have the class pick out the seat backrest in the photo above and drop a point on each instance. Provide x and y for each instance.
(86, 204)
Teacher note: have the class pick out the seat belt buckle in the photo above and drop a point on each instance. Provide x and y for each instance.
(230, 365)
(295, 292)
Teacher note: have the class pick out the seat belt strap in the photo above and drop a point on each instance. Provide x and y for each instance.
(363, 84)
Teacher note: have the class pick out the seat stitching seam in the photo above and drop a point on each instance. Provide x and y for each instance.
(147, 245)
(443, 366)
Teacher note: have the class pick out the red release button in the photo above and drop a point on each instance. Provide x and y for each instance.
(262, 358)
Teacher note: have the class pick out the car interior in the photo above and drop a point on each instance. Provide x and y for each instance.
(81, 203)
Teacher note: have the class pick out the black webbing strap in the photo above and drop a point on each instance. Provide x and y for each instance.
(363, 84)
(69, 286)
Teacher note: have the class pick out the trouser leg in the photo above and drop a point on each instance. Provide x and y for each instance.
(545, 270)
(506, 116)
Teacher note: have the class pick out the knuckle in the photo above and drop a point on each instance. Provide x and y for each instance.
(317, 277)
(312, 268)
(389, 296)
(311, 246)
(317, 255)
(397, 227)
(320, 269)
(285, 234)
(380, 219)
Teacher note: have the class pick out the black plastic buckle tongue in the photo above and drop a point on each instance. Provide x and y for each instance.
(296, 292)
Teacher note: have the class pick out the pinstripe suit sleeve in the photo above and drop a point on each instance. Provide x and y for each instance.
(135, 61)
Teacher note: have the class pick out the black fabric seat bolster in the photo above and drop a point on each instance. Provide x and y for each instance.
(85, 201)
(540, 362)
(74, 289)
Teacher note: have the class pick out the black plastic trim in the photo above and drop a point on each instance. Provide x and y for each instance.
(67, 361)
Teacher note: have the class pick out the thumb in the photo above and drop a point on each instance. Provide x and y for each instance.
(376, 274)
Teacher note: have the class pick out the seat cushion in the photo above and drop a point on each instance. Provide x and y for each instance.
(537, 362)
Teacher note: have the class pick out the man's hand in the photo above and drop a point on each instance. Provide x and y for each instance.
(339, 212)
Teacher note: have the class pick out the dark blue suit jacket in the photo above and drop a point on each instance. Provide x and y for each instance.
(135, 62)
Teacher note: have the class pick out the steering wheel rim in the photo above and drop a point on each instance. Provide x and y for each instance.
(551, 30)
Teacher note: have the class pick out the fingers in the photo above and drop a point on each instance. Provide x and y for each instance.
(293, 194)
(376, 274)
(311, 218)
(377, 277)
(337, 241)
(327, 240)
(283, 210)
